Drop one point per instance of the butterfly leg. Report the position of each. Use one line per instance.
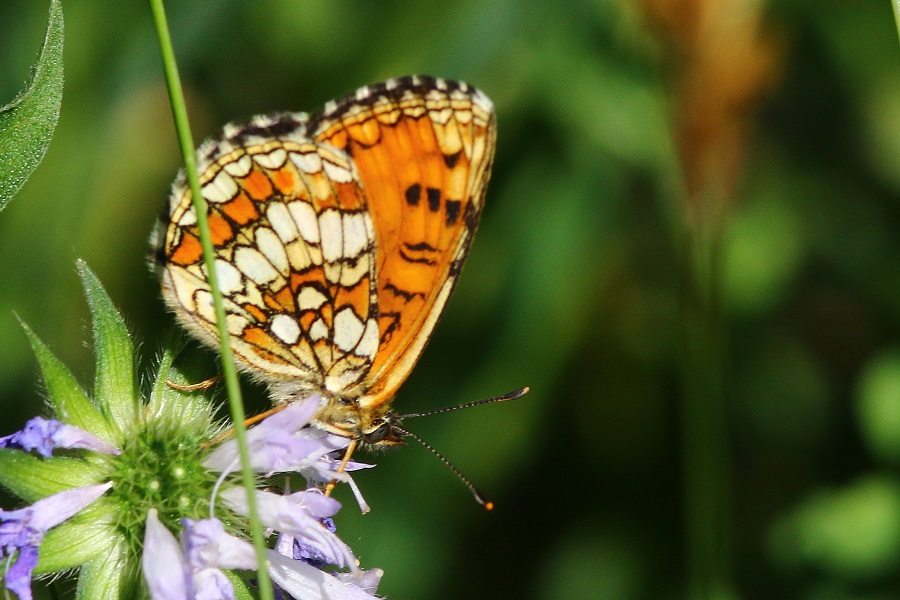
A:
(193, 387)
(347, 454)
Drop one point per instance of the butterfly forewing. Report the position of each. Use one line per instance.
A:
(423, 149)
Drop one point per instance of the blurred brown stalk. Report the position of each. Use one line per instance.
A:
(718, 60)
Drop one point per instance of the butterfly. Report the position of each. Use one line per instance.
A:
(338, 239)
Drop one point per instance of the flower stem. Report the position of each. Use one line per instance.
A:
(179, 112)
(704, 423)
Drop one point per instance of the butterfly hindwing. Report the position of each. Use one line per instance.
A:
(294, 256)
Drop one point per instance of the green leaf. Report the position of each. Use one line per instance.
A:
(115, 387)
(33, 478)
(70, 402)
(878, 405)
(27, 123)
(72, 544)
(852, 532)
(110, 575)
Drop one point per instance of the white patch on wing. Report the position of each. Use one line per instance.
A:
(318, 330)
(286, 329)
(282, 222)
(270, 245)
(350, 275)
(441, 116)
(309, 162)
(236, 323)
(299, 255)
(239, 167)
(188, 218)
(368, 344)
(356, 237)
(331, 235)
(228, 276)
(337, 173)
(203, 304)
(347, 329)
(254, 265)
(310, 298)
(305, 217)
(221, 189)
(273, 160)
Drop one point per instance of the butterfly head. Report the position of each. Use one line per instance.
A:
(374, 426)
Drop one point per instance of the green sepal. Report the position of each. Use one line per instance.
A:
(27, 123)
(70, 403)
(174, 409)
(72, 544)
(241, 589)
(110, 576)
(32, 478)
(115, 387)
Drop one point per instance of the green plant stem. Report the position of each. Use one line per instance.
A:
(704, 422)
(179, 111)
(896, 6)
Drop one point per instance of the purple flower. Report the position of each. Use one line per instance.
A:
(289, 545)
(298, 515)
(195, 573)
(209, 549)
(44, 435)
(306, 582)
(283, 443)
(23, 530)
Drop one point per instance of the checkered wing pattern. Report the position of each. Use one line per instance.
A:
(423, 148)
(338, 237)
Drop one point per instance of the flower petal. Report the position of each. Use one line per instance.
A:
(367, 580)
(45, 435)
(18, 577)
(274, 444)
(51, 511)
(163, 563)
(207, 544)
(300, 515)
(301, 580)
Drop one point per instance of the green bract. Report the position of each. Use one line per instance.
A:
(160, 465)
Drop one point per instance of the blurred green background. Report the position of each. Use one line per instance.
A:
(573, 285)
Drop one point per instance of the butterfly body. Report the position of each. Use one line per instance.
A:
(338, 239)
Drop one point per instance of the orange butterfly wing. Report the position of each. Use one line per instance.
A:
(423, 148)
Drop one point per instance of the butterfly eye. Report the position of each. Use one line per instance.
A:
(378, 434)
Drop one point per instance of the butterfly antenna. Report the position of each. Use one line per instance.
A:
(479, 497)
(509, 396)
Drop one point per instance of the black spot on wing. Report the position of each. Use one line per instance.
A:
(452, 207)
(413, 194)
(407, 296)
(434, 199)
(411, 259)
(420, 246)
(451, 159)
